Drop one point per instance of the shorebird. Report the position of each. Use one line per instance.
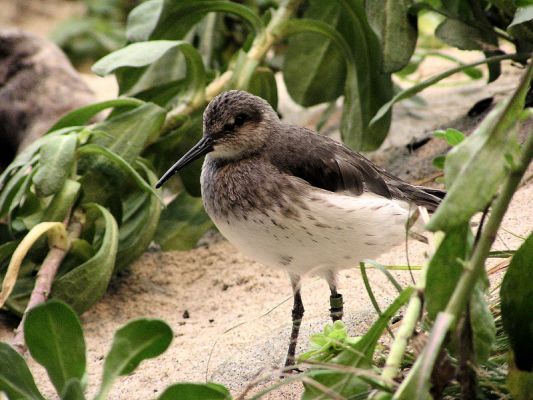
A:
(290, 198)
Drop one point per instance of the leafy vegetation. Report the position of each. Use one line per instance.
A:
(55, 340)
(89, 185)
(98, 32)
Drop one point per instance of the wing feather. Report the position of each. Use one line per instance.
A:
(326, 164)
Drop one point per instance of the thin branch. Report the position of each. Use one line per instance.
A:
(241, 73)
(409, 321)
(467, 375)
(45, 278)
(371, 295)
(397, 350)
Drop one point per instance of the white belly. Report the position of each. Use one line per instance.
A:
(336, 231)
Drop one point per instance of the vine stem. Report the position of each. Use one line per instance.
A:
(241, 72)
(45, 278)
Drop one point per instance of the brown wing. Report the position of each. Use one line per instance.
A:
(326, 164)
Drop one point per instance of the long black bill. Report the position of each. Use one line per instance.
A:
(200, 149)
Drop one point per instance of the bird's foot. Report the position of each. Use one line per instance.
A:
(290, 369)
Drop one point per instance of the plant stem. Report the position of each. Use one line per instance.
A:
(412, 314)
(373, 300)
(43, 283)
(470, 275)
(241, 73)
(405, 332)
(467, 375)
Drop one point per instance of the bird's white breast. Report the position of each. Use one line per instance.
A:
(332, 231)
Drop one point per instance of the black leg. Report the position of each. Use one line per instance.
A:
(335, 300)
(297, 315)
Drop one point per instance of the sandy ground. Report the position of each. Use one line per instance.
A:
(239, 311)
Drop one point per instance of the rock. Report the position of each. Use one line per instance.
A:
(37, 86)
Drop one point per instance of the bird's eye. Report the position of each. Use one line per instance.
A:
(240, 119)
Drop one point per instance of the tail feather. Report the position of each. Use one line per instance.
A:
(428, 197)
(419, 195)
(435, 192)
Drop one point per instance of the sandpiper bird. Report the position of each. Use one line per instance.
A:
(290, 198)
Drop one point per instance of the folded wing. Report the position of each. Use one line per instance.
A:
(328, 165)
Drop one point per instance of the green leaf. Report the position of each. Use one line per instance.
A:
(20, 296)
(137, 232)
(452, 136)
(326, 345)
(182, 223)
(163, 82)
(465, 36)
(86, 284)
(18, 201)
(413, 90)
(157, 19)
(445, 268)
(16, 380)
(125, 166)
(54, 337)
(521, 28)
(396, 30)
(143, 19)
(29, 213)
(358, 356)
(522, 15)
(519, 383)
(55, 164)
(142, 54)
(516, 303)
(314, 70)
(369, 290)
(344, 385)
(195, 391)
(14, 189)
(82, 115)
(175, 144)
(166, 145)
(263, 84)
(439, 162)
(136, 341)
(29, 155)
(475, 169)
(482, 323)
(364, 349)
(73, 390)
(62, 202)
(129, 132)
(374, 87)
(387, 274)
(6, 250)
(127, 136)
(366, 89)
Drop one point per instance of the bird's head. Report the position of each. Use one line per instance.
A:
(235, 124)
